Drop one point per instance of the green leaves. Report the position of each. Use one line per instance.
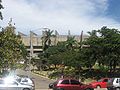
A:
(11, 48)
(105, 44)
(47, 38)
(71, 43)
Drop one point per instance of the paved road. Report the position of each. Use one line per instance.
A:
(41, 83)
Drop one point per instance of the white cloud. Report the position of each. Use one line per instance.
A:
(61, 15)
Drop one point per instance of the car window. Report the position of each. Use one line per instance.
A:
(110, 80)
(65, 82)
(19, 80)
(1, 82)
(105, 80)
(74, 82)
(100, 80)
(25, 80)
(117, 81)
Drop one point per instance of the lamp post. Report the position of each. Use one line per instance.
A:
(31, 51)
(31, 46)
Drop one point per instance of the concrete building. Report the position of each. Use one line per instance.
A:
(33, 42)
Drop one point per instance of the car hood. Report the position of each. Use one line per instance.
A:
(94, 82)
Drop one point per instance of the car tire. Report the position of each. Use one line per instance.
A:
(26, 89)
(98, 86)
(117, 89)
(51, 85)
(60, 89)
(110, 88)
(89, 89)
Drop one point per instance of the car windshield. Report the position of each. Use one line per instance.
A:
(100, 80)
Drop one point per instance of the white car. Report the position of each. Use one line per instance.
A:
(14, 85)
(26, 81)
(113, 84)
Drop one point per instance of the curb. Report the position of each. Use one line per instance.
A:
(41, 75)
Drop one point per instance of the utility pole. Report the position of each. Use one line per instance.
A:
(81, 39)
(31, 50)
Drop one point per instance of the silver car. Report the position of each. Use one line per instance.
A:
(14, 85)
(26, 81)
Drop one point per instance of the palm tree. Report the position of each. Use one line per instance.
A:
(93, 33)
(47, 38)
(71, 42)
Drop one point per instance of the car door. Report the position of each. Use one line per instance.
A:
(75, 85)
(2, 85)
(104, 83)
(13, 86)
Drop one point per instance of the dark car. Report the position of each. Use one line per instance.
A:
(69, 84)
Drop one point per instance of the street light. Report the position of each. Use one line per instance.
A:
(31, 45)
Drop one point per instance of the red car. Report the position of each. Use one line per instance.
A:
(102, 83)
(69, 84)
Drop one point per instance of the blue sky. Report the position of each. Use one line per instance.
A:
(62, 15)
(114, 9)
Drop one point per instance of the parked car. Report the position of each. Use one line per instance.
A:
(14, 85)
(21, 79)
(101, 83)
(69, 84)
(26, 81)
(113, 84)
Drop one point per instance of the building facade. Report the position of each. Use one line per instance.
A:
(33, 42)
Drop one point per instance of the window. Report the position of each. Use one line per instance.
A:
(1, 82)
(106, 80)
(65, 82)
(74, 82)
(25, 80)
(117, 81)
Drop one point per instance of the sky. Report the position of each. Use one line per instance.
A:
(61, 15)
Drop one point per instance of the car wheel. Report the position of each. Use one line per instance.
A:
(88, 89)
(51, 85)
(117, 88)
(98, 87)
(60, 89)
(110, 89)
(26, 89)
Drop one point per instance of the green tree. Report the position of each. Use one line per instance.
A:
(47, 39)
(11, 48)
(104, 47)
(54, 53)
(71, 42)
(111, 46)
(92, 49)
(55, 60)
